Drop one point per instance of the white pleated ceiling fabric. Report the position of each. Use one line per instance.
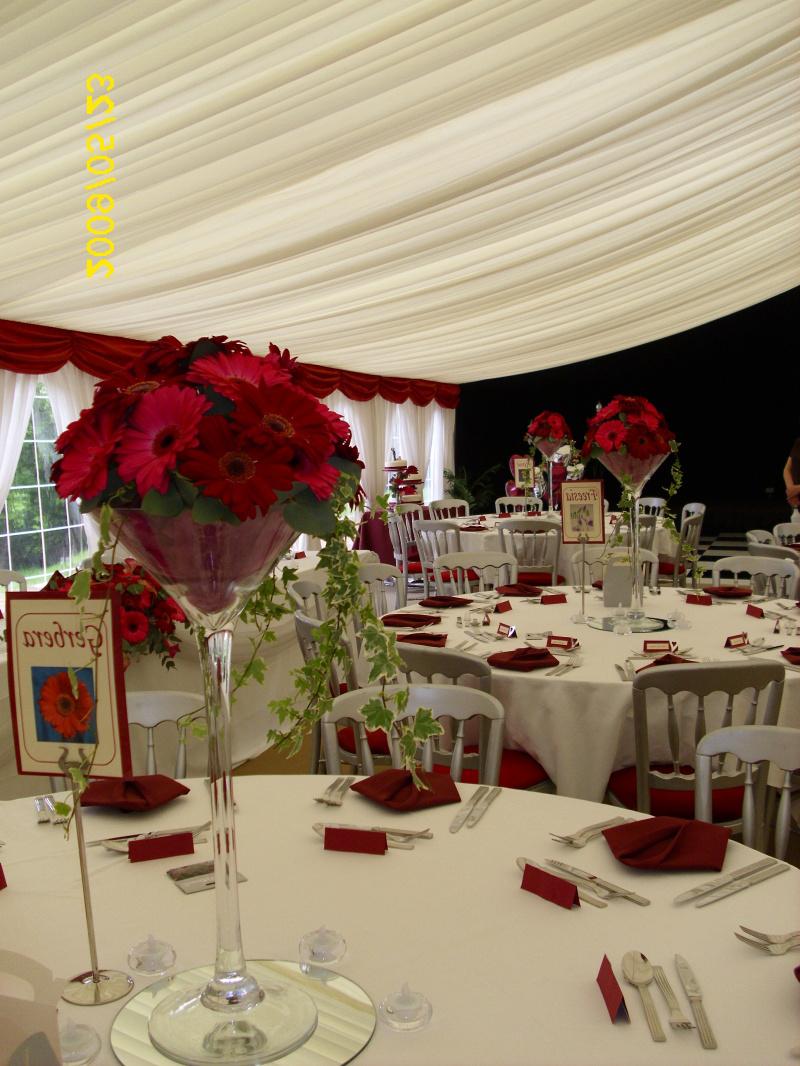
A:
(437, 189)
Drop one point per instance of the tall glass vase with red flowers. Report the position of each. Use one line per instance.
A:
(631, 438)
(205, 463)
(548, 432)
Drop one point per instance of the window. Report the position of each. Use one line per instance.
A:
(39, 532)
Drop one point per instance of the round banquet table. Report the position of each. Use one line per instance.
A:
(580, 725)
(510, 976)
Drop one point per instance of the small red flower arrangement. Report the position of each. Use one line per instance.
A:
(548, 431)
(630, 437)
(147, 614)
(210, 428)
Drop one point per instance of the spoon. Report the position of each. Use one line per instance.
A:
(639, 972)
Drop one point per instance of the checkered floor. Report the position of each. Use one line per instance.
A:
(721, 545)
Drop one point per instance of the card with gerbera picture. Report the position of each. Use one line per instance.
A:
(65, 670)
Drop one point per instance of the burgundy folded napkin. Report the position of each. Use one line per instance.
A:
(427, 640)
(411, 621)
(523, 659)
(729, 592)
(133, 793)
(666, 660)
(518, 589)
(444, 601)
(472, 529)
(396, 789)
(664, 843)
(792, 655)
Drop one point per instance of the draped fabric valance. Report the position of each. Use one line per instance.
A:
(26, 348)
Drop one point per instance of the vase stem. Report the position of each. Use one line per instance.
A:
(551, 504)
(637, 600)
(231, 984)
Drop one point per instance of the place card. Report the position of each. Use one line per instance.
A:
(756, 612)
(3, 882)
(299, 555)
(160, 847)
(568, 643)
(659, 645)
(548, 886)
(504, 630)
(699, 599)
(554, 597)
(502, 607)
(365, 841)
(737, 640)
(612, 993)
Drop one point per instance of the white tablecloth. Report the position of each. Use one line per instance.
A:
(580, 726)
(510, 976)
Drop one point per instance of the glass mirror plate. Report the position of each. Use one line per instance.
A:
(636, 625)
(345, 1026)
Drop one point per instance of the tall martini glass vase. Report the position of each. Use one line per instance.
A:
(548, 448)
(211, 570)
(633, 474)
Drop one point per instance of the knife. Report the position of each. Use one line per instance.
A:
(466, 809)
(193, 829)
(739, 884)
(615, 890)
(695, 996)
(725, 879)
(479, 809)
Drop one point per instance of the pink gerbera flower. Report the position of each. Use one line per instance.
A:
(82, 472)
(163, 424)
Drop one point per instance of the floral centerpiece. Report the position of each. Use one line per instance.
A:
(147, 613)
(205, 462)
(548, 432)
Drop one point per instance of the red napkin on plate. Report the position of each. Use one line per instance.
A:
(523, 659)
(729, 592)
(792, 655)
(444, 601)
(133, 793)
(666, 660)
(427, 640)
(518, 589)
(472, 529)
(396, 789)
(411, 621)
(663, 843)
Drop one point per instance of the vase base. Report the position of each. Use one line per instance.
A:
(330, 996)
(93, 989)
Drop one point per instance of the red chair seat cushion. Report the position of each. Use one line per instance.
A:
(376, 738)
(538, 577)
(668, 567)
(726, 803)
(517, 769)
(472, 575)
(414, 566)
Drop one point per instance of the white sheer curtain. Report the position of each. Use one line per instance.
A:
(371, 426)
(70, 391)
(16, 401)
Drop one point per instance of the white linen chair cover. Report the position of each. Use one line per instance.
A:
(455, 702)
(151, 709)
(450, 507)
(786, 532)
(534, 542)
(698, 680)
(432, 538)
(452, 571)
(780, 575)
(517, 504)
(751, 744)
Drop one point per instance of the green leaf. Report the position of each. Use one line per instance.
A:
(168, 504)
(309, 515)
(81, 587)
(188, 491)
(206, 510)
(63, 809)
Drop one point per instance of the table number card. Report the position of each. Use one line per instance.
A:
(365, 841)
(502, 607)
(504, 630)
(612, 993)
(737, 640)
(659, 646)
(582, 512)
(548, 886)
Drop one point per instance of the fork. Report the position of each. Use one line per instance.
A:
(329, 791)
(581, 837)
(338, 794)
(772, 943)
(677, 1019)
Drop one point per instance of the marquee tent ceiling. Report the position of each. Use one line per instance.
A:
(438, 189)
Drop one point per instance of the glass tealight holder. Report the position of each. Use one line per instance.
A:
(405, 1010)
(80, 1044)
(321, 947)
(151, 956)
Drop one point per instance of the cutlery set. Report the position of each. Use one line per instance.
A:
(335, 793)
(592, 883)
(121, 843)
(728, 884)
(772, 943)
(581, 837)
(395, 838)
(474, 809)
(639, 972)
(584, 894)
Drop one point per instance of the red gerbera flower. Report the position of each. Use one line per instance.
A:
(285, 416)
(642, 443)
(67, 714)
(240, 472)
(321, 479)
(83, 471)
(159, 364)
(134, 626)
(225, 373)
(611, 435)
(282, 363)
(163, 424)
